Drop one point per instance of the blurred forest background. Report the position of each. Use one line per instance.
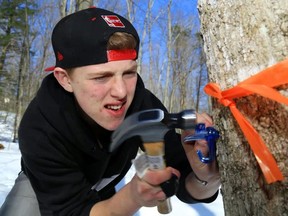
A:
(171, 59)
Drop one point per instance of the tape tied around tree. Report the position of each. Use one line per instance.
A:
(261, 84)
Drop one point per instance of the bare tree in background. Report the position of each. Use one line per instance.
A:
(83, 4)
(185, 80)
(23, 69)
(70, 6)
(169, 58)
(184, 63)
(146, 27)
(42, 45)
(150, 70)
(241, 38)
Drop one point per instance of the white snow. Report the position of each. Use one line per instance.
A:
(10, 167)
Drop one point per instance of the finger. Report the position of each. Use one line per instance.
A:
(164, 190)
(170, 186)
(151, 193)
(202, 145)
(204, 118)
(185, 133)
(156, 177)
(201, 118)
(147, 188)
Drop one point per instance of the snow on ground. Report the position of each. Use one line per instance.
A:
(10, 167)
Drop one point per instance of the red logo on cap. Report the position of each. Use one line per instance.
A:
(60, 57)
(113, 21)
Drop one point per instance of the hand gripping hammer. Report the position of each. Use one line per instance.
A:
(152, 125)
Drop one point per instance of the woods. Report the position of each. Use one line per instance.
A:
(166, 42)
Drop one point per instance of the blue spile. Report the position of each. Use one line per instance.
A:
(211, 135)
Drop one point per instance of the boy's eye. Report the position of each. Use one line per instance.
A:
(130, 73)
(99, 78)
(102, 77)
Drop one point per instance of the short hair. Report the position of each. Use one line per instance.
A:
(120, 41)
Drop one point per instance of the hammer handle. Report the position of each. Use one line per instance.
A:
(155, 153)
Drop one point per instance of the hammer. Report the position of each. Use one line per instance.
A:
(152, 125)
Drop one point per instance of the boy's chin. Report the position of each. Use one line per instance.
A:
(112, 126)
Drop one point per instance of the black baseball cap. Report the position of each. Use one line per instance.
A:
(80, 39)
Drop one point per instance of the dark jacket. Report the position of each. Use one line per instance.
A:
(64, 153)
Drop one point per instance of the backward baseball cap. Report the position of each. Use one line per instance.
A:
(80, 39)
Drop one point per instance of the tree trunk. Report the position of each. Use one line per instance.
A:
(83, 4)
(68, 7)
(241, 38)
(62, 8)
(22, 72)
(166, 95)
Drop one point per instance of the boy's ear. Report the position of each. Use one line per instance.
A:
(63, 78)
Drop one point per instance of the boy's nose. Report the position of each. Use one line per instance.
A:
(118, 88)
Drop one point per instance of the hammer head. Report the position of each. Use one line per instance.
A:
(151, 125)
(146, 124)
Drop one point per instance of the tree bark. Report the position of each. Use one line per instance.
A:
(242, 38)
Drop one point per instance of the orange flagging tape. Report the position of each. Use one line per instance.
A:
(261, 84)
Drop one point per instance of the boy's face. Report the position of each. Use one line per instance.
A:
(105, 91)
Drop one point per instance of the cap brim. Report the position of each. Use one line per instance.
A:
(117, 55)
(49, 69)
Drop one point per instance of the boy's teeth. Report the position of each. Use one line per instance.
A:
(114, 107)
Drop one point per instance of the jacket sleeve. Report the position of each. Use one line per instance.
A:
(60, 186)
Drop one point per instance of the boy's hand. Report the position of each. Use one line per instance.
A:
(146, 191)
(203, 171)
